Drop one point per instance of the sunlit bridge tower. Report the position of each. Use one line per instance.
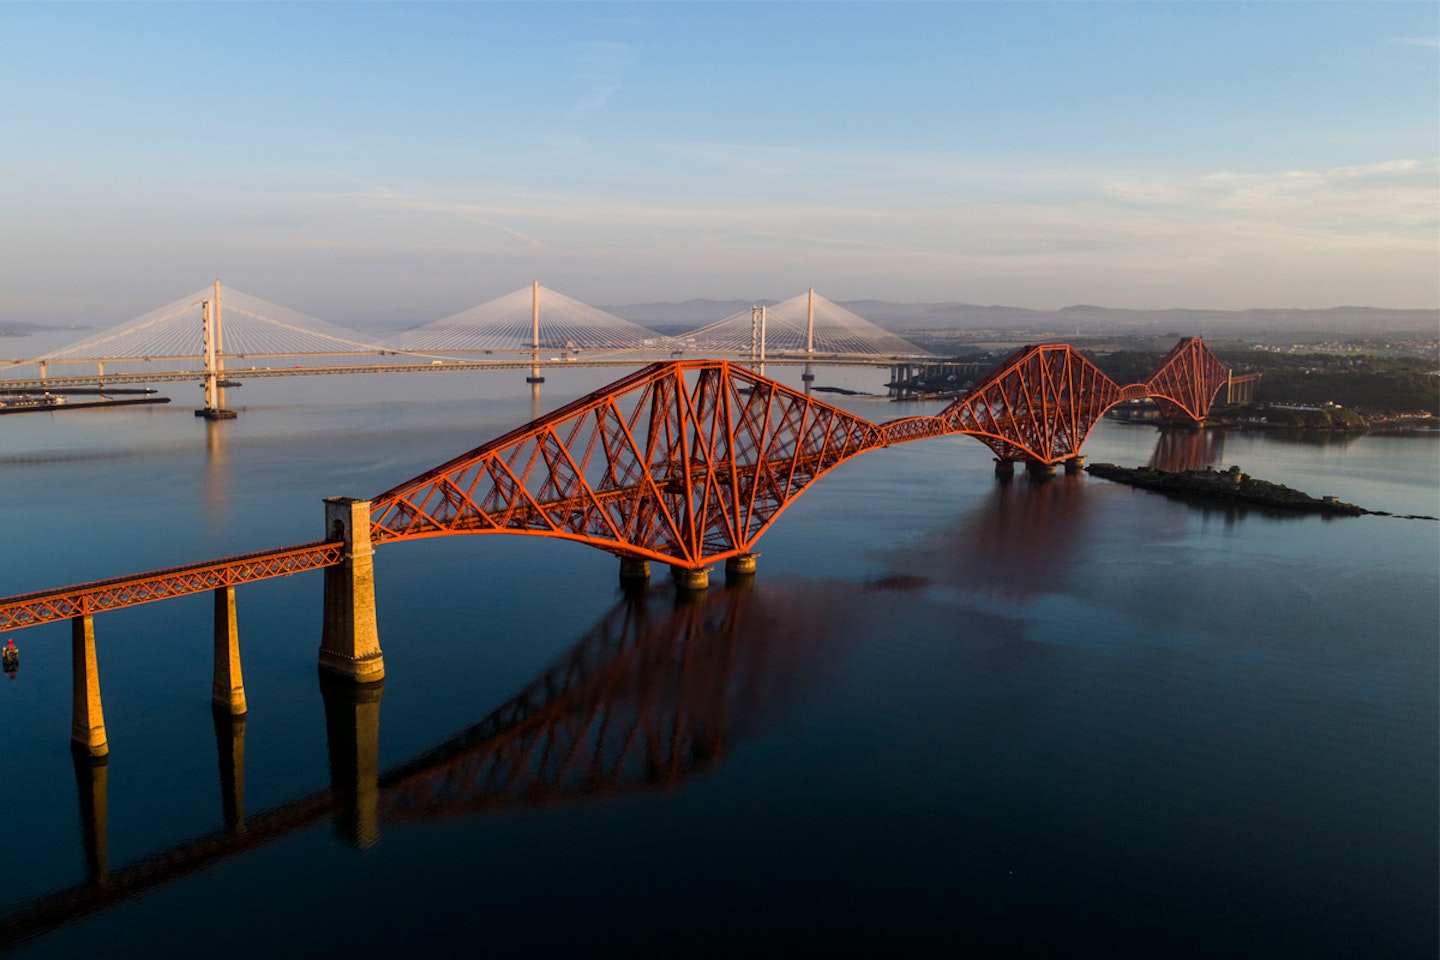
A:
(535, 379)
(214, 353)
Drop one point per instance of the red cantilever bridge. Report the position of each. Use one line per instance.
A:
(690, 462)
(686, 462)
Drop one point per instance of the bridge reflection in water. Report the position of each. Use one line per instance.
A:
(1187, 448)
(654, 694)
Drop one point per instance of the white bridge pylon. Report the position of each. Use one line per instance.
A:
(533, 318)
(251, 327)
(807, 325)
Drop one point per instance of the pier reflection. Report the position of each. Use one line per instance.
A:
(1183, 448)
(230, 748)
(92, 777)
(216, 472)
(654, 694)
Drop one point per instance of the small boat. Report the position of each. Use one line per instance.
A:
(11, 658)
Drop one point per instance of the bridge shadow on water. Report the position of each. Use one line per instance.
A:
(653, 695)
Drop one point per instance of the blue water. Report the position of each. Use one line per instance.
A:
(949, 714)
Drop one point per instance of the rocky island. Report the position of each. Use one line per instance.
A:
(1231, 485)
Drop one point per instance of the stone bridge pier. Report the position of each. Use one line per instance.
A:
(350, 643)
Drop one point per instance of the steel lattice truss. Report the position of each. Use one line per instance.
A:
(64, 603)
(1040, 404)
(685, 462)
(1188, 379)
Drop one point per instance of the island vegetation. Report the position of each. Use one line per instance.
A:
(1228, 485)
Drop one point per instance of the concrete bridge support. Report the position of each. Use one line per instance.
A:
(87, 727)
(634, 570)
(690, 578)
(1075, 464)
(92, 776)
(352, 739)
(230, 746)
(228, 690)
(350, 644)
(1039, 470)
(1004, 469)
(740, 567)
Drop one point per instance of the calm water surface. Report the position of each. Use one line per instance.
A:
(1063, 718)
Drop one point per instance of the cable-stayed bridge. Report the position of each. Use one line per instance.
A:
(531, 318)
(801, 326)
(252, 327)
(219, 335)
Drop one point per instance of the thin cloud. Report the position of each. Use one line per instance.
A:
(462, 211)
(600, 72)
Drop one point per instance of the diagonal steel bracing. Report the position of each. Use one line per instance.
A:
(687, 462)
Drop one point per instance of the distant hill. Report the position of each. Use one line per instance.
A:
(21, 328)
(1080, 319)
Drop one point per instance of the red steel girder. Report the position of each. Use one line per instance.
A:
(1187, 381)
(686, 462)
(63, 603)
(1040, 404)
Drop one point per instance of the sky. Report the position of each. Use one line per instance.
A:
(398, 162)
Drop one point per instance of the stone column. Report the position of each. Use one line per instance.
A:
(350, 644)
(87, 727)
(228, 690)
(1075, 464)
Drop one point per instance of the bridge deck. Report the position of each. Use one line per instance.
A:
(64, 603)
